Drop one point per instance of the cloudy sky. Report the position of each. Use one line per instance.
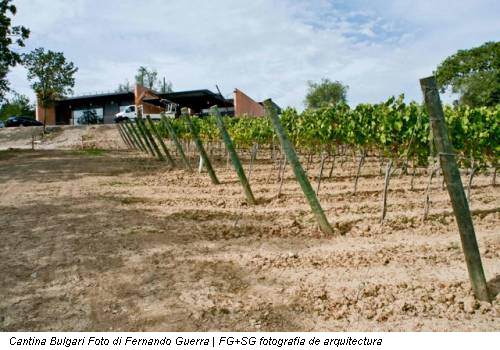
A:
(267, 48)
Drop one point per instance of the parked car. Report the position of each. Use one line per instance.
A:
(2, 124)
(21, 121)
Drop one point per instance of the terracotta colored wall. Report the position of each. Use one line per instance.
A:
(141, 92)
(51, 114)
(244, 105)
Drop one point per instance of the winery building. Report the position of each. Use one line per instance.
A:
(67, 111)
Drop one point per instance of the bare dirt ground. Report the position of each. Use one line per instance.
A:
(60, 137)
(115, 241)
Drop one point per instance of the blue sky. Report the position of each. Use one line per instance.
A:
(267, 48)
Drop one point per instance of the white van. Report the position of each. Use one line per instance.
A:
(130, 113)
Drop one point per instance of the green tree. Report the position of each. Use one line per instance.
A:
(9, 36)
(140, 77)
(149, 78)
(18, 105)
(325, 93)
(146, 77)
(51, 76)
(125, 87)
(165, 86)
(474, 74)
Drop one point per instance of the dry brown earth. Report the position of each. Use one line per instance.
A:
(115, 241)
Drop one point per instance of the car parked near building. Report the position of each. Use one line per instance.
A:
(21, 121)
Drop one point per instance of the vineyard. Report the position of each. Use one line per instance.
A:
(391, 130)
(396, 134)
(330, 219)
(158, 174)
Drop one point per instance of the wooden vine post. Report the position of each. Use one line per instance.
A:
(297, 169)
(117, 128)
(135, 135)
(234, 156)
(358, 172)
(160, 140)
(131, 136)
(120, 131)
(281, 173)
(128, 136)
(199, 146)
(387, 178)
(455, 188)
(321, 167)
(150, 139)
(177, 143)
(144, 138)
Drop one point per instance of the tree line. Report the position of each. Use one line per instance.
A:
(50, 74)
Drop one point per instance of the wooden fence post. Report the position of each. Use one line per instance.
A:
(297, 169)
(160, 140)
(117, 128)
(199, 146)
(128, 135)
(387, 178)
(152, 142)
(138, 136)
(149, 147)
(124, 136)
(455, 188)
(234, 155)
(177, 143)
(134, 137)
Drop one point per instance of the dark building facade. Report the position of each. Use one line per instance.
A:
(70, 111)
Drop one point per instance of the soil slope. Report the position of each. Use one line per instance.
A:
(115, 241)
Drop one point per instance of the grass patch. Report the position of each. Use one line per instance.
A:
(90, 152)
(10, 153)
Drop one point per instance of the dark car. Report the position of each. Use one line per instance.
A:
(21, 121)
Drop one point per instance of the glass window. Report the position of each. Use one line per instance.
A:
(88, 116)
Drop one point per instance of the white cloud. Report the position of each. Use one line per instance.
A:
(266, 48)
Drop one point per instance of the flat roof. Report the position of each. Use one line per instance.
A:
(177, 96)
(200, 99)
(91, 96)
